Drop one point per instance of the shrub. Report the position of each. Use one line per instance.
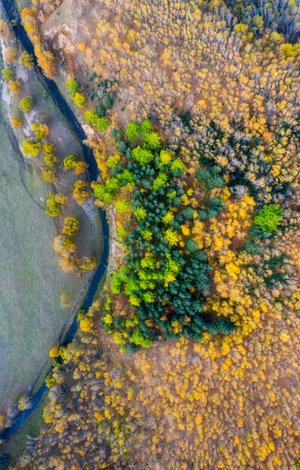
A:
(11, 54)
(48, 148)
(14, 86)
(16, 122)
(71, 225)
(49, 175)
(51, 160)
(88, 263)
(61, 198)
(81, 167)
(9, 74)
(41, 130)
(30, 147)
(26, 104)
(53, 207)
(80, 192)
(70, 162)
(26, 60)
(72, 85)
(79, 99)
(269, 218)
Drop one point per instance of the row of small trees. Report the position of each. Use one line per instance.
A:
(64, 244)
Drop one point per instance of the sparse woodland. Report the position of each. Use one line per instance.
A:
(190, 358)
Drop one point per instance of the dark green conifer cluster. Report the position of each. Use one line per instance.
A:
(165, 283)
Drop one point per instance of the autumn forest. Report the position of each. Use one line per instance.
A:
(187, 356)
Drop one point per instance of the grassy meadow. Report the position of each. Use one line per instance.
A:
(31, 282)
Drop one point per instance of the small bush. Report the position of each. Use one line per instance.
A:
(72, 85)
(9, 74)
(16, 122)
(79, 99)
(26, 104)
(26, 60)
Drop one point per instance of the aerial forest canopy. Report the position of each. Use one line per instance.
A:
(189, 357)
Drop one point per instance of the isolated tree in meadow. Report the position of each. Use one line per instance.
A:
(53, 206)
(70, 162)
(81, 167)
(14, 86)
(51, 160)
(71, 225)
(8, 74)
(80, 192)
(48, 148)
(61, 198)
(88, 263)
(24, 403)
(65, 301)
(26, 60)
(49, 175)
(68, 265)
(63, 244)
(11, 54)
(31, 147)
(16, 122)
(26, 104)
(41, 130)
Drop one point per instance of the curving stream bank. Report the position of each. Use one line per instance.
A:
(10, 10)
